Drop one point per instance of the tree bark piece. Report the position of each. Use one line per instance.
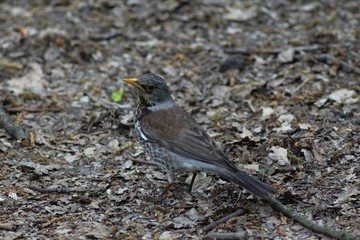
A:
(313, 226)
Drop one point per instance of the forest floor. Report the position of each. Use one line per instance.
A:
(276, 83)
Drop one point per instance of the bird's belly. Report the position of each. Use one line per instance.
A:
(167, 160)
(156, 153)
(183, 164)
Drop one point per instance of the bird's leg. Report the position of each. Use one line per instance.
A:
(162, 196)
(171, 179)
(192, 182)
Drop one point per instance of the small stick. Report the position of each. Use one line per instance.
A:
(67, 191)
(46, 143)
(238, 212)
(226, 236)
(7, 227)
(312, 225)
(35, 110)
(55, 190)
(330, 60)
(142, 161)
(278, 50)
(302, 84)
(106, 36)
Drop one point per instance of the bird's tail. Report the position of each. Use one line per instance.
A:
(251, 184)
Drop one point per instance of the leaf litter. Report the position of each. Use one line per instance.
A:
(288, 84)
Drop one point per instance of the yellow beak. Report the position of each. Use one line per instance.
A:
(133, 82)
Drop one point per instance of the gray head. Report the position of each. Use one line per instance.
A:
(151, 88)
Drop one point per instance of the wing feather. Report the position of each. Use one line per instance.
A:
(184, 136)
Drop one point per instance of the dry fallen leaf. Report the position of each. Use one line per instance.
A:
(286, 56)
(279, 155)
(33, 82)
(344, 96)
(346, 194)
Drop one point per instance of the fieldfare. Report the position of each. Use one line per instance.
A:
(176, 142)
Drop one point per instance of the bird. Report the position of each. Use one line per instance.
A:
(173, 139)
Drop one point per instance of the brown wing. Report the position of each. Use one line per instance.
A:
(178, 132)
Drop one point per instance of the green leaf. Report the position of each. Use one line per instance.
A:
(117, 95)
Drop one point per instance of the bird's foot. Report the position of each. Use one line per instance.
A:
(163, 195)
(178, 194)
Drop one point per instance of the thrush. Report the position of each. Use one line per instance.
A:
(176, 142)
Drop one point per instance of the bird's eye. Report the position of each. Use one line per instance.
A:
(150, 88)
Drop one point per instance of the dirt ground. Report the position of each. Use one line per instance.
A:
(276, 83)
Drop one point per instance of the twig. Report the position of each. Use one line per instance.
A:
(35, 110)
(313, 226)
(123, 148)
(330, 60)
(10, 65)
(222, 220)
(46, 143)
(7, 227)
(252, 108)
(106, 36)
(302, 84)
(55, 190)
(142, 161)
(226, 236)
(13, 129)
(278, 50)
(67, 191)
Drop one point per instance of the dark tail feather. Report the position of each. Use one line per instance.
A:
(252, 184)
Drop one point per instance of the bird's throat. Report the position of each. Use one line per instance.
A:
(143, 102)
(145, 107)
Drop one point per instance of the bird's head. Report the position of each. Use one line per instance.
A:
(151, 88)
